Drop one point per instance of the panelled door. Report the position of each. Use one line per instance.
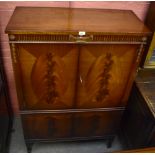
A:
(104, 72)
(60, 76)
(47, 75)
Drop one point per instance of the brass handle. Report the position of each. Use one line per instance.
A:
(79, 38)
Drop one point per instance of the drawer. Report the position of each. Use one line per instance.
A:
(96, 123)
(46, 126)
(71, 125)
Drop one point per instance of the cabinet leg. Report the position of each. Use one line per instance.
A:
(110, 141)
(29, 146)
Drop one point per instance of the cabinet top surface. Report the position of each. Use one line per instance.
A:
(69, 20)
(145, 82)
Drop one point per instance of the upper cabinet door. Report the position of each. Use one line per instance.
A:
(104, 74)
(46, 75)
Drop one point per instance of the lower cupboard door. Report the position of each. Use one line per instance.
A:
(96, 124)
(46, 126)
(70, 125)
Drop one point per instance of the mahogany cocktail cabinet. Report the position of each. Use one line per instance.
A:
(74, 69)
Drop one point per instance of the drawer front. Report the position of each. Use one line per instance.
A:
(96, 123)
(70, 125)
(46, 126)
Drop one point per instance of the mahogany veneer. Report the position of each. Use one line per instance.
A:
(74, 69)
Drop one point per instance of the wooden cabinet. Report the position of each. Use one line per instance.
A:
(138, 123)
(74, 69)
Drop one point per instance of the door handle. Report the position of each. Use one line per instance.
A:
(81, 39)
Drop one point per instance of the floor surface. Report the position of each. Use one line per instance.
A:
(17, 144)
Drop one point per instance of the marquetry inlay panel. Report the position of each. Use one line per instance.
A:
(103, 74)
(47, 81)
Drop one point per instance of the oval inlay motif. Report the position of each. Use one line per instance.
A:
(48, 79)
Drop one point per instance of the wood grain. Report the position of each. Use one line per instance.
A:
(50, 126)
(96, 79)
(45, 87)
(96, 124)
(140, 8)
(97, 71)
(53, 126)
(74, 20)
